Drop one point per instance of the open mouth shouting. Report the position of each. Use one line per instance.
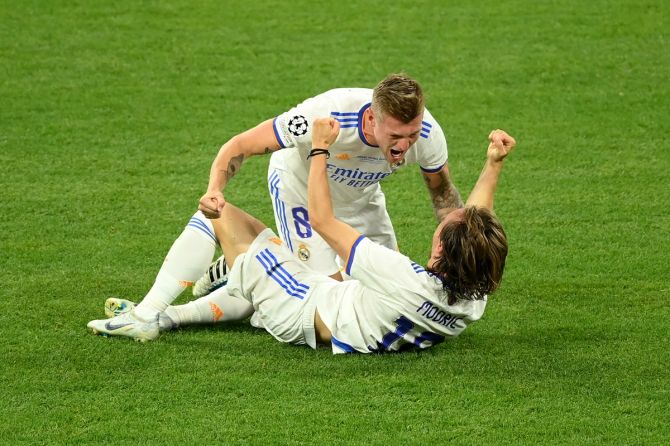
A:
(396, 155)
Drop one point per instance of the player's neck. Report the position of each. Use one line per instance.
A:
(367, 127)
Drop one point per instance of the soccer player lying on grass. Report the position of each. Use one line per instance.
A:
(391, 302)
(381, 130)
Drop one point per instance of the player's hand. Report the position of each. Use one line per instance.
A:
(211, 204)
(500, 145)
(324, 132)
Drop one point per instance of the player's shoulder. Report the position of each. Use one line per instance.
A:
(429, 123)
(337, 101)
(347, 99)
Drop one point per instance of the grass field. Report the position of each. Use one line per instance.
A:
(112, 112)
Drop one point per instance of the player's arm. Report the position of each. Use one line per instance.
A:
(443, 193)
(339, 235)
(500, 145)
(258, 140)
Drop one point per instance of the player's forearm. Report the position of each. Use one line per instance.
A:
(445, 201)
(339, 235)
(319, 203)
(256, 141)
(484, 190)
(443, 194)
(226, 165)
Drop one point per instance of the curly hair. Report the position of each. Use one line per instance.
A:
(398, 96)
(473, 257)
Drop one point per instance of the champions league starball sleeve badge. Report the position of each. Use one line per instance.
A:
(298, 125)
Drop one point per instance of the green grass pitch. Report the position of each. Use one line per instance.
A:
(111, 113)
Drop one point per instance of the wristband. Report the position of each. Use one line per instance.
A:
(314, 152)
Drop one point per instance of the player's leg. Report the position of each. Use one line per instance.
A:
(236, 230)
(218, 306)
(186, 260)
(188, 257)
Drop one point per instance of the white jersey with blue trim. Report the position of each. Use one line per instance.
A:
(397, 304)
(355, 166)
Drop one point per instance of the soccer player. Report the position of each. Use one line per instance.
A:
(391, 302)
(380, 130)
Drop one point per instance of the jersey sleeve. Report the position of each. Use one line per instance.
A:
(294, 127)
(432, 154)
(381, 268)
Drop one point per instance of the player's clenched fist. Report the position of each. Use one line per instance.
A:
(501, 144)
(211, 204)
(324, 132)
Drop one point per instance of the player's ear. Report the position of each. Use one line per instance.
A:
(439, 249)
(371, 117)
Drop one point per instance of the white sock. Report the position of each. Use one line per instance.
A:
(218, 306)
(186, 262)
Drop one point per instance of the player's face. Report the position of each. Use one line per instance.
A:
(436, 248)
(395, 137)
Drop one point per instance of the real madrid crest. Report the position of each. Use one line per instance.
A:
(303, 252)
(298, 125)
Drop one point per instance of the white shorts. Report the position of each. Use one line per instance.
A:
(280, 289)
(293, 225)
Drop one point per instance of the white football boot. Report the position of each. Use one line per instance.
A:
(214, 278)
(115, 306)
(126, 324)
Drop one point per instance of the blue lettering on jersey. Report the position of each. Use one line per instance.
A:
(405, 337)
(432, 312)
(354, 177)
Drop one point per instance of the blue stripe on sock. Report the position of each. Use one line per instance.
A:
(207, 233)
(202, 226)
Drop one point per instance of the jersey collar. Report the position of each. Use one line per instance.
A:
(360, 125)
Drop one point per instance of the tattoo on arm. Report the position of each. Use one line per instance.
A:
(233, 167)
(444, 195)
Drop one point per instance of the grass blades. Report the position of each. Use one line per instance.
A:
(111, 113)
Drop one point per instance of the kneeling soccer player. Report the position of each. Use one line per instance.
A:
(391, 302)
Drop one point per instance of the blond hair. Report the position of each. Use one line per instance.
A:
(398, 96)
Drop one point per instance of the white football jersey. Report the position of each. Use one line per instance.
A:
(392, 303)
(355, 166)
